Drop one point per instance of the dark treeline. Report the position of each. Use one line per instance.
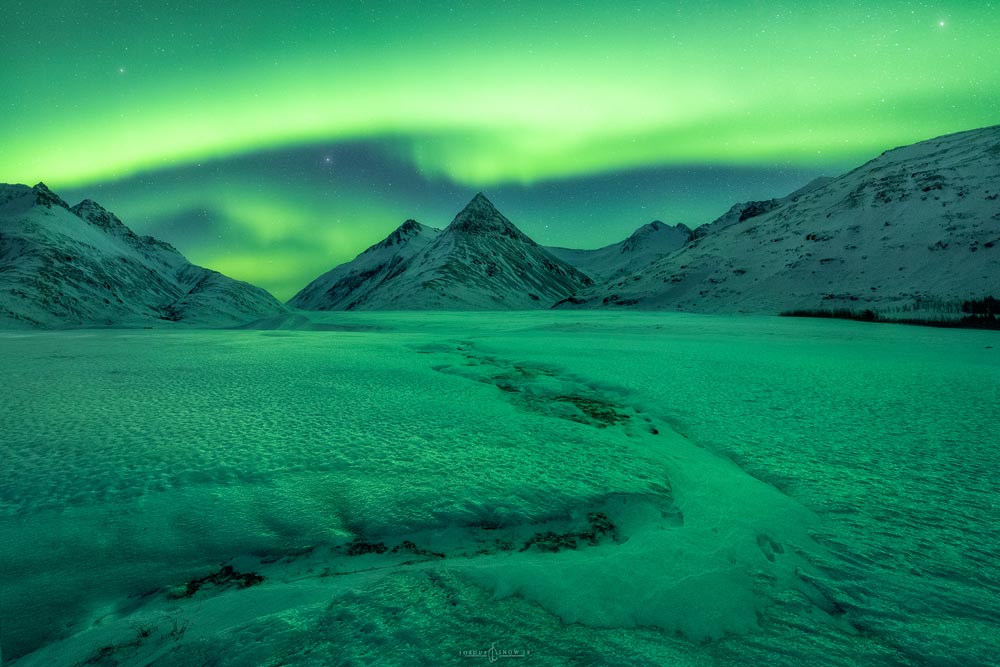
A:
(979, 314)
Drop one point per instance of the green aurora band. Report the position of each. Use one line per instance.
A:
(481, 94)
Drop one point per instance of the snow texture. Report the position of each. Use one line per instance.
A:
(359, 488)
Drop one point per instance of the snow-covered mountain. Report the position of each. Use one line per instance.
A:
(649, 242)
(481, 261)
(916, 228)
(743, 211)
(353, 283)
(81, 266)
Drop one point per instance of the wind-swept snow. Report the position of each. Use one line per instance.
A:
(406, 487)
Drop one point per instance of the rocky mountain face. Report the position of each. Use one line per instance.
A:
(917, 228)
(648, 243)
(80, 266)
(481, 261)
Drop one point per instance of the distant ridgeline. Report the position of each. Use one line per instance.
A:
(911, 236)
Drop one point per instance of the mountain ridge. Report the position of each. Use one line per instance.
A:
(916, 227)
(644, 245)
(348, 284)
(79, 266)
(480, 261)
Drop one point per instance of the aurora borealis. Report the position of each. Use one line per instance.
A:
(272, 140)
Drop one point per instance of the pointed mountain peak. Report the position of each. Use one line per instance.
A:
(481, 200)
(479, 207)
(481, 217)
(89, 207)
(411, 226)
(99, 216)
(401, 235)
(648, 228)
(45, 197)
(644, 236)
(656, 226)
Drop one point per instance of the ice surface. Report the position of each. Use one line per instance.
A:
(412, 486)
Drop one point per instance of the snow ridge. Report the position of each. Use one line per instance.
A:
(646, 244)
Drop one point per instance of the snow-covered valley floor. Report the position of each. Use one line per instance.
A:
(582, 488)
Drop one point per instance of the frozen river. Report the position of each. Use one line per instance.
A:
(572, 488)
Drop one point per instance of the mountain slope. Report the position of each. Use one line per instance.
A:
(917, 227)
(352, 283)
(481, 261)
(648, 243)
(81, 266)
(751, 209)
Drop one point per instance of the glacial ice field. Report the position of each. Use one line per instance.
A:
(570, 488)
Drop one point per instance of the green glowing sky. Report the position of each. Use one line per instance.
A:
(293, 134)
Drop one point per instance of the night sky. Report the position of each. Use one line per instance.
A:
(273, 140)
